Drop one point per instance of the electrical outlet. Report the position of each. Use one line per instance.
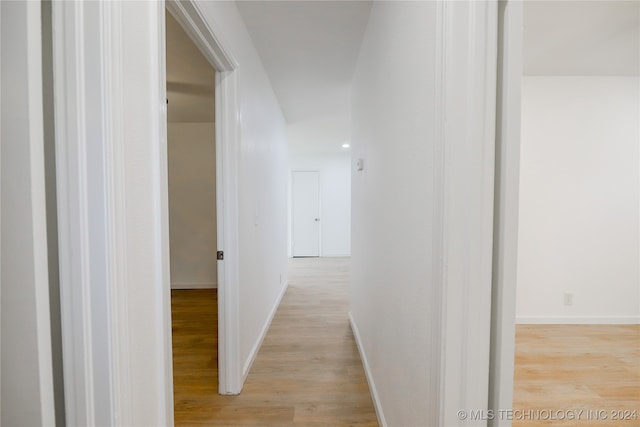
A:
(568, 298)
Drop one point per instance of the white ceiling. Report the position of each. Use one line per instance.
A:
(589, 38)
(309, 50)
(190, 78)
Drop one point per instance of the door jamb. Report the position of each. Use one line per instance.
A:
(24, 262)
(506, 197)
(100, 151)
(187, 13)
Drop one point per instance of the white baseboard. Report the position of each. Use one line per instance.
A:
(198, 285)
(578, 320)
(263, 333)
(372, 386)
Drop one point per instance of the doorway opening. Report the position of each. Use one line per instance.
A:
(577, 295)
(191, 20)
(568, 210)
(191, 155)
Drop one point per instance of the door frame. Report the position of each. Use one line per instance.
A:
(187, 13)
(113, 216)
(293, 171)
(506, 207)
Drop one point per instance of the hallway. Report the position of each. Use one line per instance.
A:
(308, 371)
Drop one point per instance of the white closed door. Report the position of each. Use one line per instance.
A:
(305, 197)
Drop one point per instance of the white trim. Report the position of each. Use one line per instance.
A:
(25, 282)
(577, 320)
(227, 136)
(73, 221)
(161, 171)
(115, 191)
(438, 277)
(507, 179)
(367, 370)
(187, 13)
(137, 102)
(194, 285)
(1, 200)
(467, 142)
(102, 154)
(263, 333)
(208, 41)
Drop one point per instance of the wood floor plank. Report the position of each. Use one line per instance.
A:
(565, 369)
(308, 371)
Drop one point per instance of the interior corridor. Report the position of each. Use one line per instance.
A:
(308, 371)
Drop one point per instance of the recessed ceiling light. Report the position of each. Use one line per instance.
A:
(346, 145)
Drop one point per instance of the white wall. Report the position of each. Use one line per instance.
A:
(192, 205)
(335, 199)
(392, 255)
(262, 199)
(26, 377)
(321, 135)
(579, 200)
(422, 208)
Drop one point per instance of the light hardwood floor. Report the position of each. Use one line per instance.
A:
(307, 373)
(563, 369)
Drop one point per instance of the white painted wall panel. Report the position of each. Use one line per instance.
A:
(192, 205)
(262, 180)
(579, 200)
(393, 218)
(422, 230)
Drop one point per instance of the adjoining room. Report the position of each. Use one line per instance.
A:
(578, 293)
